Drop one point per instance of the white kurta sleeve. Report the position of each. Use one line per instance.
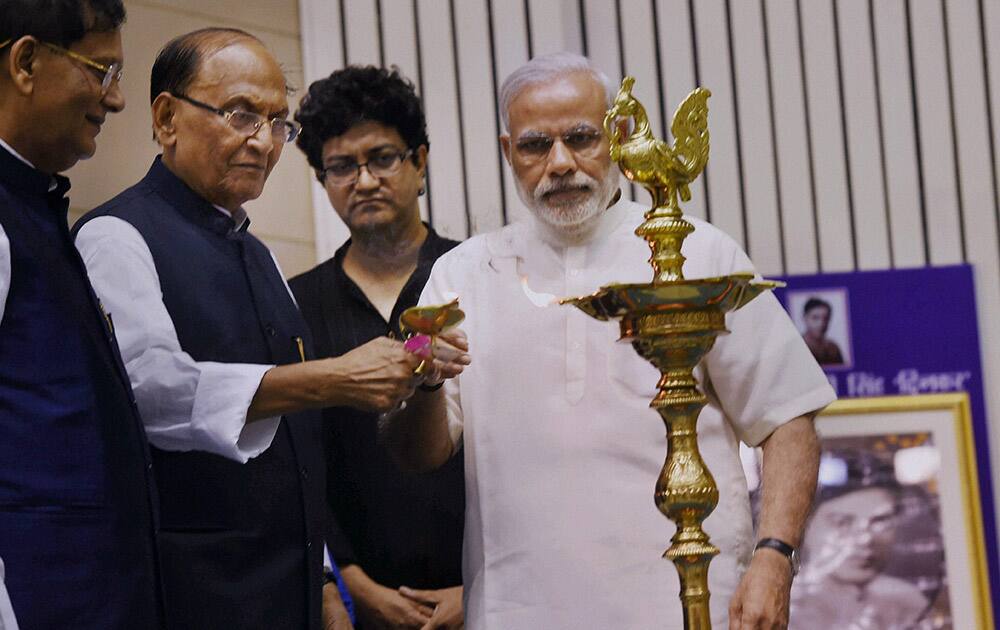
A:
(185, 404)
(7, 620)
(4, 270)
(440, 288)
(762, 372)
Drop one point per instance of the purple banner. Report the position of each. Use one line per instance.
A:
(900, 332)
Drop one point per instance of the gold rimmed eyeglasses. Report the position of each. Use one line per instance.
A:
(110, 74)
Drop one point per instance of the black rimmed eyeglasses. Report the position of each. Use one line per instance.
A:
(385, 163)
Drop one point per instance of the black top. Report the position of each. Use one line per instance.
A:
(241, 543)
(77, 503)
(402, 529)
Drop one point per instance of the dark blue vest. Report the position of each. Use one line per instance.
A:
(241, 543)
(77, 531)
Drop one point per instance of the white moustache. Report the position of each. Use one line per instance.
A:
(575, 182)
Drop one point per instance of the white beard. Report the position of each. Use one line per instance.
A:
(572, 217)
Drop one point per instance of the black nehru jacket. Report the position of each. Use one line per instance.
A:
(241, 544)
(77, 502)
(401, 528)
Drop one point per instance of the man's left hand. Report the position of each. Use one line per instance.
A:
(761, 600)
(447, 604)
(335, 616)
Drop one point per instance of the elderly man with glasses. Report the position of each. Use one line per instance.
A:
(77, 515)
(217, 351)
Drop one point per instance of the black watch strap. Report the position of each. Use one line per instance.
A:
(783, 548)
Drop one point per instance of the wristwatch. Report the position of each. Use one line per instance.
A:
(783, 548)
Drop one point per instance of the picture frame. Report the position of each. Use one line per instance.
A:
(916, 454)
(829, 308)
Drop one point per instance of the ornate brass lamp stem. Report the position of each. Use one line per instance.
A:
(673, 322)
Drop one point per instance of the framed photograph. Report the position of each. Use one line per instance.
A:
(823, 318)
(895, 539)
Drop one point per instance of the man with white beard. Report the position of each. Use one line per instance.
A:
(561, 448)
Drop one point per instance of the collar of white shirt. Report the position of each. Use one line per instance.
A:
(239, 217)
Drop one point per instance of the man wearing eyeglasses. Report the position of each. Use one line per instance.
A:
(77, 514)
(218, 352)
(561, 448)
(364, 133)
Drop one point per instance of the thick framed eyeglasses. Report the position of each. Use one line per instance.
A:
(383, 164)
(248, 123)
(110, 74)
(583, 141)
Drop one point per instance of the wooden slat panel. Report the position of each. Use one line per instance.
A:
(602, 42)
(399, 33)
(826, 125)
(864, 148)
(362, 32)
(759, 178)
(321, 54)
(441, 105)
(400, 43)
(791, 133)
(482, 161)
(677, 62)
(640, 61)
(555, 26)
(978, 193)
(989, 309)
(940, 187)
(511, 52)
(900, 144)
(723, 170)
(639, 55)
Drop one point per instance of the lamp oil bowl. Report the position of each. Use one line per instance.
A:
(429, 321)
(672, 322)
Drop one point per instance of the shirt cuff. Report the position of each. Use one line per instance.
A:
(219, 415)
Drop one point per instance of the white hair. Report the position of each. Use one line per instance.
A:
(544, 69)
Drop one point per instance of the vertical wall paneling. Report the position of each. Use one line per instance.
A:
(483, 178)
(715, 73)
(764, 229)
(677, 65)
(362, 32)
(978, 160)
(320, 23)
(791, 147)
(602, 41)
(555, 26)
(863, 144)
(900, 150)
(510, 52)
(399, 45)
(639, 60)
(930, 75)
(629, 191)
(826, 126)
(441, 105)
(990, 27)
(846, 134)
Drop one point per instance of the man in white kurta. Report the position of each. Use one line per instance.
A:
(561, 448)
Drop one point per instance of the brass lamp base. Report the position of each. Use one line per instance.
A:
(673, 323)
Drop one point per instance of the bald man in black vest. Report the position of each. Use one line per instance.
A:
(218, 352)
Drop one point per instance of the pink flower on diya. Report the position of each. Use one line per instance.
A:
(419, 345)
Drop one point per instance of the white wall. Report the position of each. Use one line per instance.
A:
(283, 216)
(846, 134)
